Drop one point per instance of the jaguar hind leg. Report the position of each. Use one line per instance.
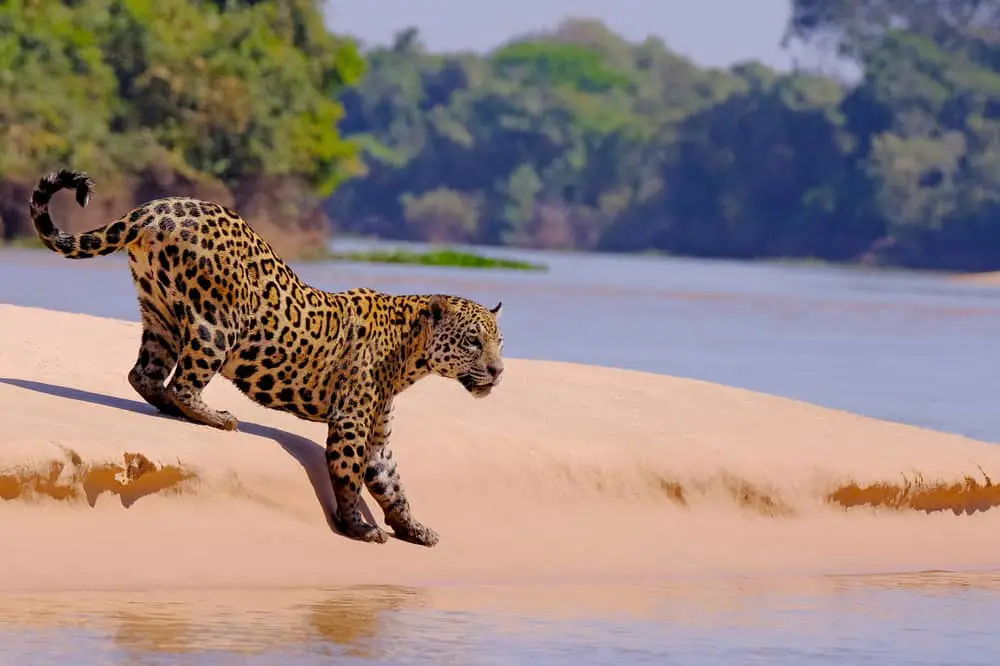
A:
(200, 359)
(155, 361)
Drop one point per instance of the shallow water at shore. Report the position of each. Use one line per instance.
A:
(911, 348)
(931, 618)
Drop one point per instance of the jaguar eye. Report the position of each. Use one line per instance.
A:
(475, 343)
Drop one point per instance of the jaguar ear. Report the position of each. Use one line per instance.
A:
(497, 310)
(439, 305)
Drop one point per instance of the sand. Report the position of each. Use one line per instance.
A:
(566, 474)
(989, 278)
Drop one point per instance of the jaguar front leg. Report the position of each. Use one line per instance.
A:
(383, 482)
(345, 458)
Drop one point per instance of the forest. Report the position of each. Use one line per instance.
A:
(570, 137)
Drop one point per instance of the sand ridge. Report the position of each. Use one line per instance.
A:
(566, 473)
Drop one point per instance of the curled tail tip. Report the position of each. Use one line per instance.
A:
(64, 179)
(80, 181)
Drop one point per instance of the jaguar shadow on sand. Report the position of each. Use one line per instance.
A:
(215, 299)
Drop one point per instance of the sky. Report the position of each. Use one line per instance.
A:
(709, 32)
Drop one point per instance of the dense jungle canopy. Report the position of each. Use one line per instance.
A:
(571, 137)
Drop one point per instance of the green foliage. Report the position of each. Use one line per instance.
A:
(56, 90)
(559, 64)
(572, 138)
(448, 213)
(576, 138)
(226, 90)
(542, 142)
(442, 257)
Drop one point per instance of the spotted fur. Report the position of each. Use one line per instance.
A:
(214, 298)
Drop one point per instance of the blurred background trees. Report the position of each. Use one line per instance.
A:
(567, 138)
(228, 99)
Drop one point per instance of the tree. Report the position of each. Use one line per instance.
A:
(223, 97)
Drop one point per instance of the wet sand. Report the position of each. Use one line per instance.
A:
(567, 473)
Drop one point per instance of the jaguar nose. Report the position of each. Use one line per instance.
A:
(494, 370)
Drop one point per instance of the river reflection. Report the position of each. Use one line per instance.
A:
(706, 621)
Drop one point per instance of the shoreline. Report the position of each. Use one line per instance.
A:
(461, 255)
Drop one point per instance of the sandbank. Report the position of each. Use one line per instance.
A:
(566, 474)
